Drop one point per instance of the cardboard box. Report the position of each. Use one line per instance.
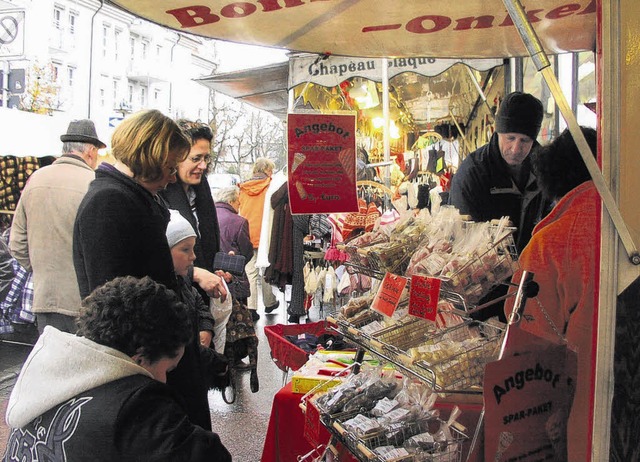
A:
(304, 383)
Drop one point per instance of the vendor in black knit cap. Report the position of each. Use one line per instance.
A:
(496, 180)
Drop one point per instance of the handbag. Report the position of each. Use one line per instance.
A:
(233, 264)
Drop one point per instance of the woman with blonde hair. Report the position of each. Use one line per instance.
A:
(120, 225)
(253, 193)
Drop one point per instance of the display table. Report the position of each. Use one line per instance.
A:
(285, 439)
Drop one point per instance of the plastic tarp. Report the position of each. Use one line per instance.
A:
(29, 134)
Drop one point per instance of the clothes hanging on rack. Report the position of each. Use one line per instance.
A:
(277, 180)
(280, 270)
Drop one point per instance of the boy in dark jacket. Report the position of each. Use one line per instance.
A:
(131, 333)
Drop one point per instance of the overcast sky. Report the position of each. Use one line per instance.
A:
(234, 56)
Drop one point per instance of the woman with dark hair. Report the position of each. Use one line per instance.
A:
(99, 395)
(562, 254)
(191, 196)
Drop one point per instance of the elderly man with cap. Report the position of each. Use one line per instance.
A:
(42, 229)
(496, 180)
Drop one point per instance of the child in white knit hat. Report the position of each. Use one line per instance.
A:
(204, 368)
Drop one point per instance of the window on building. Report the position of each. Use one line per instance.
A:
(156, 96)
(145, 47)
(102, 92)
(130, 95)
(132, 47)
(116, 84)
(73, 22)
(71, 74)
(143, 96)
(55, 72)
(159, 51)
(117, 34)
(105, 39)
(58, 31)
(57, 17)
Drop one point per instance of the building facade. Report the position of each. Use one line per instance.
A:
(89, 59)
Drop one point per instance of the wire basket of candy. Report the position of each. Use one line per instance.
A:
(384, 419)
(453, 359)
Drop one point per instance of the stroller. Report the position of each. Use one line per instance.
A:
(241, 341)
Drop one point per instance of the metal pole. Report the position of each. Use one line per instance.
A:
(533, 45)
(385, 128)
(5, 83)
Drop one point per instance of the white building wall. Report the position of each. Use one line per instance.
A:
(110, 63)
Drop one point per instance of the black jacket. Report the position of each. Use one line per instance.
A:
(132, 419)
(189, 378)
(120, 231)
(483, 188)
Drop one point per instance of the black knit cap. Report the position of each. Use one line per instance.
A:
(520, 113)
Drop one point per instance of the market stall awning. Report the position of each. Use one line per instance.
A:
(266, 87)
(469, 28)
(262, 87)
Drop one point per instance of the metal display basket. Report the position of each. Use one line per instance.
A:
(463, 370)
(481, 274)
(364, 446)
(459, 372)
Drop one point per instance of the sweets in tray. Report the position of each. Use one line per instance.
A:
(382, 418)
(471, 258)
(449, 353)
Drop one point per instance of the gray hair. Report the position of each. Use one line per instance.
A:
(262, 165)
(75, 146)
(227, 195)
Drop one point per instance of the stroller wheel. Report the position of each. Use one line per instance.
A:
(229, 393)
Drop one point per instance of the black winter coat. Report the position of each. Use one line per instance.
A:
(120, 231)
(191, 380)
(483, 188)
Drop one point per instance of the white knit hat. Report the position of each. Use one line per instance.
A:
(178, 228)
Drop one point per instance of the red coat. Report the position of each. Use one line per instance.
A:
(563, 255)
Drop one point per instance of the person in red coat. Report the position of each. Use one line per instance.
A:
(563, 255)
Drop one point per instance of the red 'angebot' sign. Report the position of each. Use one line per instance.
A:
(423, 297)
(527, 402)
(388, 295)
(322, 163)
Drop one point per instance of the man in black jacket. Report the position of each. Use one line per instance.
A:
(496, 180)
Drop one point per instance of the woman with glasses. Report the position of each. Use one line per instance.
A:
(120, 225)
(191, 196)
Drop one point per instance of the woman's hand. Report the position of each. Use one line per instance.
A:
(210, 283)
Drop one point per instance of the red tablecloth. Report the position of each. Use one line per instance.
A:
(285, 439)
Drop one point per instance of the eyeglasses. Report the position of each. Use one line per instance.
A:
(173, 171)
(201, 157)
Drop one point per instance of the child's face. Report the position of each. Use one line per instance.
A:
(183, 255)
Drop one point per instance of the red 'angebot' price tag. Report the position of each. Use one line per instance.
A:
(423, 297)
(388, 296)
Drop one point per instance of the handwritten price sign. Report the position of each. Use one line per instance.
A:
(423, 297)
(388, 296)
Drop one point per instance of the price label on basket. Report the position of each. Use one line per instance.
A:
(423, 297)
(388, 296)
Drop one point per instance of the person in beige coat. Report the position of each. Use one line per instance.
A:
(42, 229)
